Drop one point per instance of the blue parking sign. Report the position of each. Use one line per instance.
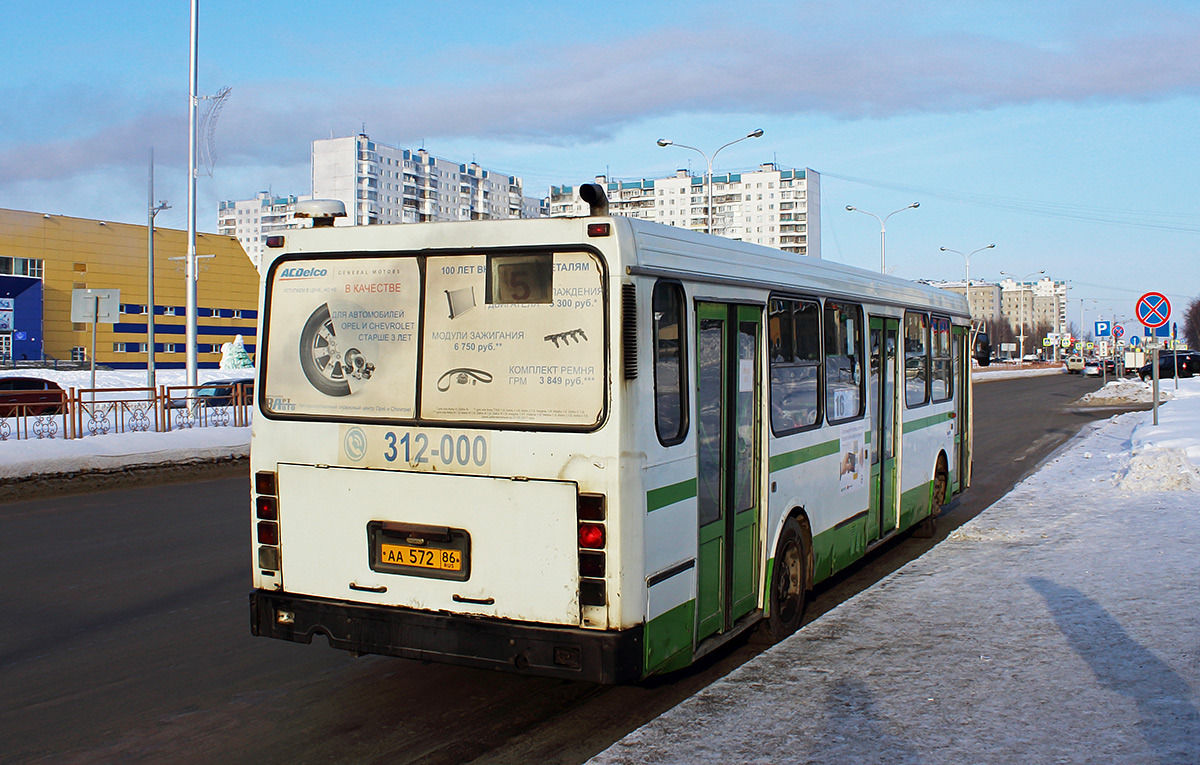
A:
(1103, 329)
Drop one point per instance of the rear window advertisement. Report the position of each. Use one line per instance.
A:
(514, 338)
(343, 338)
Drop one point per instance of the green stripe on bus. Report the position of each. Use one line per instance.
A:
(669, 495)
(926, 422)
(807, 454)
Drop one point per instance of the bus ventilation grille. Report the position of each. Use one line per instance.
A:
(629, 330)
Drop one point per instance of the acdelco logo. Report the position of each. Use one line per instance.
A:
(301, 273)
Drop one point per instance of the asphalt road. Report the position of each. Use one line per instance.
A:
(125, 634)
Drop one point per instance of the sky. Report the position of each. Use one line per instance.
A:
(1065, 133)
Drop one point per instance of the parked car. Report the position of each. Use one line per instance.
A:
(217, 393)
(1188, 365)
(30, 395)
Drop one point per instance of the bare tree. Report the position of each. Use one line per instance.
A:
(1191, 324)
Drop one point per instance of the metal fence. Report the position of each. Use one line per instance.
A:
(83, 412)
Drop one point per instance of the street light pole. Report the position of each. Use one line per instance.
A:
(1021, 309)
(883, 228)
(967, 258)
(709, 161)
(154, 210)
(190, 271)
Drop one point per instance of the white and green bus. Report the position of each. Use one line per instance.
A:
(592, 448)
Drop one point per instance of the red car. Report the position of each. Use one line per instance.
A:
(30, 396)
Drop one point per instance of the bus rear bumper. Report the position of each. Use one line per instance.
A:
(563, 652)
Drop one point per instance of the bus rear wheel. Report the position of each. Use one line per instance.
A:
(789, 585)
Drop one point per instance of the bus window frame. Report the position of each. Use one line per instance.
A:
(684, 401)
(942, 321)
(820, 364)
(924, 356)
(862, 336)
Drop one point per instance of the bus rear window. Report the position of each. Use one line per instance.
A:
(507, 337)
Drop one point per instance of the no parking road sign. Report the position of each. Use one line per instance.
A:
(1153, 309)
(1118, 331)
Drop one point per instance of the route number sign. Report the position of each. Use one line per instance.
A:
(1153, 309)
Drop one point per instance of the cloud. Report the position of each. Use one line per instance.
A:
(573, 94)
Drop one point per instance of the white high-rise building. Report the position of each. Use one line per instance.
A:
(381, 184)
(772, 206)
(250, 221)
(385, 184)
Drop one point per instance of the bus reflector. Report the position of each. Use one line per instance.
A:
(274, 241)
(268, 533)
(591, 536)
(593, 592)
(599, 229)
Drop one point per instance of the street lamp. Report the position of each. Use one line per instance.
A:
(967, 258)
(1021, 309)
(883, 227)
(708, 177)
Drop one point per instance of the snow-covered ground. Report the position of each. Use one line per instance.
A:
(1062, 624)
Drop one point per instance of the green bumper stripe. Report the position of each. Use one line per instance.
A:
(669, 495)
(807, 454)
(926, 422)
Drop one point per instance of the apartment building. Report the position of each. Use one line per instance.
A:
(251, 221)
(983, 300)
(381, 184)
(1025, 304)
(386, 184)
(770, 205)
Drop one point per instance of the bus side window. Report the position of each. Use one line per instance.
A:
(843, 361)
(943, 366)
(670, 402)
(794, 339)
(916, 359)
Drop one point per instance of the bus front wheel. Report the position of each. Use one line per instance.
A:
(789, 585)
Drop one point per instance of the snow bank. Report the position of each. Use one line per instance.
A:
(1125, 391)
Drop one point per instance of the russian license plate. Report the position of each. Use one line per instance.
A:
(421, 557)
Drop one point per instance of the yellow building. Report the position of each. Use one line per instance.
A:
(44, 258)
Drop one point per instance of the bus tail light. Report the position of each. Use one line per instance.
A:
(591, 536)
(268, 533)
(591, 511)
(266, 511)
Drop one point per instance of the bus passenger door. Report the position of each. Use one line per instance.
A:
(962, 412)
(884, 339)
(728, 429)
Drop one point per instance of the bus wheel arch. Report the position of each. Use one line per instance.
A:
(791, 578)
(939, 488)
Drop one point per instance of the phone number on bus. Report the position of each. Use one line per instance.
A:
(450, 451)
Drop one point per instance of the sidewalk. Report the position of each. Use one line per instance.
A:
(1060, 625)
